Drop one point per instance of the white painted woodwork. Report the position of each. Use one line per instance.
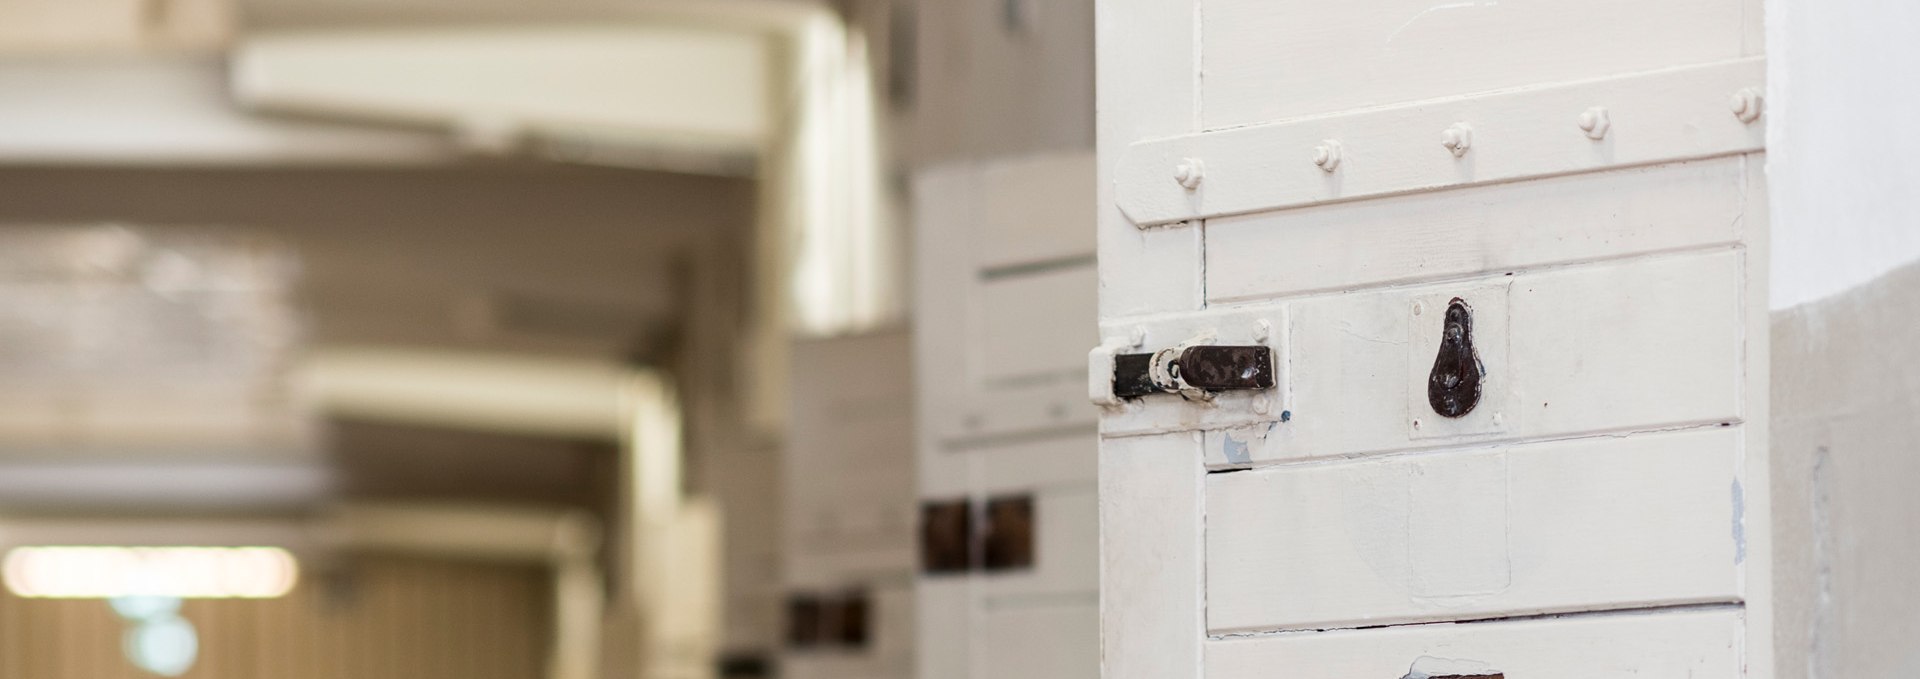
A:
(1687, 644)
(944, 627)
(1613, 473)
(1356, 364)
(1066, 553)
(1495, 229)
(890, 655)
(1257, 54)
(993, 79)
(1063, 462)
(1152, 586)
(1056, 640)
(1013, 350)
(1006, 297)
(1034, 209)
(848, 496)
(1049, 462)
(1152, 549)
(1583, 524)
(1004, 313)
(1148, 88)
(1655, 117)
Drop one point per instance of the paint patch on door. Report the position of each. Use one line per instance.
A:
(1240, 445)
(1739, 524)
(1428, 667)
(1457, 528)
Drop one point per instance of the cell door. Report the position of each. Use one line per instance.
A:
(1004, 310)
(1433, 339)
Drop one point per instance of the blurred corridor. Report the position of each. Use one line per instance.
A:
(514, 327)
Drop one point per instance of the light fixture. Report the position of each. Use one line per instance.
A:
(98, 572)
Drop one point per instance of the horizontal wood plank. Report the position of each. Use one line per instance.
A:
(1270, 60)
(1491, 229)
(1633, 345)
(1059, 641)
(1610, 522)
(1656, 117)
(1693, 644)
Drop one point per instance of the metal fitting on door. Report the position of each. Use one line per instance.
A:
(1457, 139)
(1594, 122)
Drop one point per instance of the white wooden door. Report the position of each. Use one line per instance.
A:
(1003, 314)
(849, 502)
(1567, 193)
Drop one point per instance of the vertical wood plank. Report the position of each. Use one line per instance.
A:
(1755, 526)
(1146, 83)
(1151, 548)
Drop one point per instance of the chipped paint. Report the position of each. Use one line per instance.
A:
(1430, 10)
(1234, 449)
(1429, 667)
(1739, 524)
(1236, 445)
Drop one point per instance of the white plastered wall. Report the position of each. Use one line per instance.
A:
(1845, 297)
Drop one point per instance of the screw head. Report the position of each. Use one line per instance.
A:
(1188, 173)
(1327, 155)
(1746, 104)
(1457, 139)
(1594, 122)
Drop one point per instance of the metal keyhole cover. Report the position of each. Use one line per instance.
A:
(1453, 388)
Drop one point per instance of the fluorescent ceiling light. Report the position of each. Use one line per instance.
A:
(185, 572)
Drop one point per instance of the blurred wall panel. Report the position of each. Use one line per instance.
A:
(385, 617)
(729, 460)
(507, 257)
(992, 78)
(113, 26)
(1006, 443)
(848, 476)
(174, 109)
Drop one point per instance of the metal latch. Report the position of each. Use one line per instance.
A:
(1195, 371)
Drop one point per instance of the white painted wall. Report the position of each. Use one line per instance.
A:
(1842, 141)
(1845, 194)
